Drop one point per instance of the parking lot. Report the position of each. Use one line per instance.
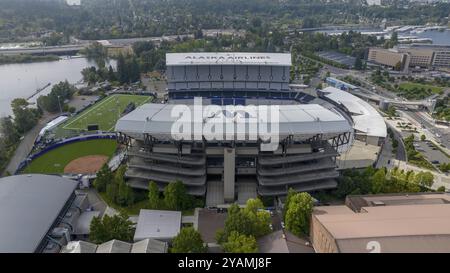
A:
(338, 57)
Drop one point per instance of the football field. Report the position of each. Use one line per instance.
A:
(104, 113)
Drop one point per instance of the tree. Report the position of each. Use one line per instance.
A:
(188, 241)
(104, 177)
(378, 181)
(298, 214)
(111, 75)
(423, 137)
(55, 99)
(111, 227)
(424, 179)
(125, 196)
(254, 210)
(240, 243)
(358, 64)
(24, 117)
(122, 70)
(8, 131)
(290, 194)
(153, 196)
(175, 196)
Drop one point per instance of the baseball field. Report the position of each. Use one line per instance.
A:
(104, 113)
(85, 157)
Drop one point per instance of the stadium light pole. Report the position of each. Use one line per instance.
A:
(59, 103)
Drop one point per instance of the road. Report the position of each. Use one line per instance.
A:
(43, 50)
(444, 134)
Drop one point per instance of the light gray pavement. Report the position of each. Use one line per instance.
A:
(386, 155)
(95, 200)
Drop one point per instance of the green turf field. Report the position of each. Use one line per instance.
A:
(105, 113)
(54, 161)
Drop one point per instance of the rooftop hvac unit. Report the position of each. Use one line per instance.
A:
(61, 232)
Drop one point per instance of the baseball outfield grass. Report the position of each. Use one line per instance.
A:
(53, 162)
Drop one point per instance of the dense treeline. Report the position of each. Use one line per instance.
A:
(55, 100)
(374, 181)
(11, 129)
(102, 19)
(26, 58)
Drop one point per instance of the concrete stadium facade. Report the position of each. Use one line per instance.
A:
(234, 169)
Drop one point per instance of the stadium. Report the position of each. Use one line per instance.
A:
(311, 131)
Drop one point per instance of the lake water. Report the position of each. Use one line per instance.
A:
(22, 80)
(438, 37)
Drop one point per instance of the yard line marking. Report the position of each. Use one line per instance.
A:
(88, 111)
(94, 107)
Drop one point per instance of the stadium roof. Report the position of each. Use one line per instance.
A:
(29, 205)
(157, 224)
(365, 118)
(228, 58)
(300, 120)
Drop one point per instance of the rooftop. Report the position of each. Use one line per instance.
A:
(116, 246)
(399, 222)
(366, 119)
(29, 205)
(157, 224)
(228, 58)
(303, 120)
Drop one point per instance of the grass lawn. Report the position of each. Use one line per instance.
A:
(54, 161)
(105, 113)
(411, 85)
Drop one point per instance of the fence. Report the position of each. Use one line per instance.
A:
(30, 158)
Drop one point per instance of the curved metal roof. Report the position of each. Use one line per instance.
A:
(301, 121)
(29, 205)
(366, 119)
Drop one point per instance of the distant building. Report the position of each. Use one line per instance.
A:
(341, 84)
(163, 225)
(415, 55)
(418, 222)
(389, 58)
(41, 213)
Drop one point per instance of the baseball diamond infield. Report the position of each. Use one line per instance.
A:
(57, 161)
(86, 165)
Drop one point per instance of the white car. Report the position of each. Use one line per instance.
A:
(282, 225)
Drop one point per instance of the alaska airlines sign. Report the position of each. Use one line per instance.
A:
(228, 58)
